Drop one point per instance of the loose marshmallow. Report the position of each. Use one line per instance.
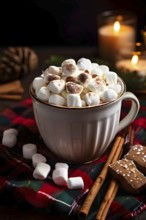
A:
(111, 78)
(69, 67)
(43, 93)
(74, 100)
(56, 86)
(109, 95)
(84, 64)
(60, 176)
(75, 183)
(56, 99)
(41, 171)
(28, 150)
(61, 165)
(37, 83)
(9, 140)
(92, 98)
(73, 88)
(38, 158)
(10, 131)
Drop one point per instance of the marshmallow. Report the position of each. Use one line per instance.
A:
(73, 88)
(9, 139)
(83, 103)
(69, 67)
(104, 69)
(75, 183)
(37, 83)
(38, 158)
(41, 171)
(96, 71)
(64, 94)
(74, 100)
(42, 75)
(97, 85)
(85, 90)
(84, 64)
(43, 93)
(94, 65)
(109, 95)
(56, 86)
(92, 98)
(55, 70)
(71, 79)
(60, 176)
(117, 88)
(84, 79)
(68, 61)
(56, 99)
(69, 70)
(28, 150)
(61, 165)
(49, 77)
(111, 78)
(10, 131)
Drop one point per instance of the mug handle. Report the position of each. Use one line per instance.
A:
(135, 106)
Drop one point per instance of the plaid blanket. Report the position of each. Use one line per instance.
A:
(17, 182)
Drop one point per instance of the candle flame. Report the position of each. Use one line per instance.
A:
(134, 59)
(116, 26)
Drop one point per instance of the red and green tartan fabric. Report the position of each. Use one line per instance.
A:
(16, 172)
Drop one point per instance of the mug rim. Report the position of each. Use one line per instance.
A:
(31, 92)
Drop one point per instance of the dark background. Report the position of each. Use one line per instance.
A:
(59, 22)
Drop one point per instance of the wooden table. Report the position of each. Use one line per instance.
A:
(21, 212)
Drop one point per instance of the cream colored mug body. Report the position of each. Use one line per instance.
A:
(80, 135)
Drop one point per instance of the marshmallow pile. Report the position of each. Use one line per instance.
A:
(77, 84)
(39, 162)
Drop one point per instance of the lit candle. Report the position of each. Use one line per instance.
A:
(135, 64)
(115, 39)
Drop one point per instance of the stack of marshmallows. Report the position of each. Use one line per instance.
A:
(77, 84)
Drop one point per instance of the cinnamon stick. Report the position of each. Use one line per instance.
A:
(113, 187)
(114, 153)
(106, 199)
(112, 193)
(131, 135)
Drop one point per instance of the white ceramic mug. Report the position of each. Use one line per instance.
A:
(80, 135)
